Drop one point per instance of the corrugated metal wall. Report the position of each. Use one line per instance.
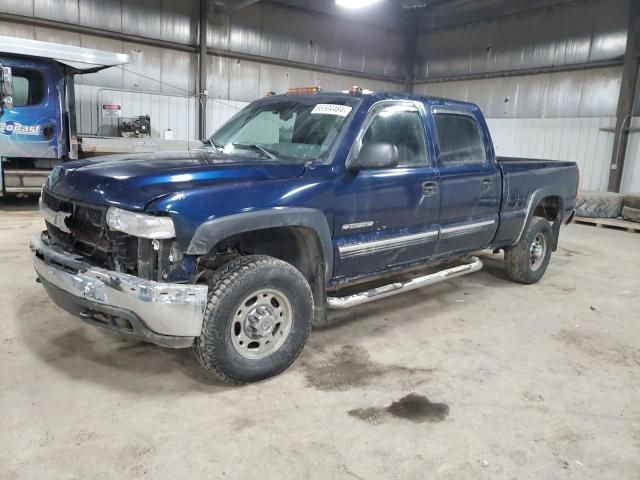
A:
(157, 80)
(557, 115)
(578, 139)
(584, 33)
(526, 113)
(579, 93)
(276, 32)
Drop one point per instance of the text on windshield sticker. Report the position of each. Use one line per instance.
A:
(331, 109)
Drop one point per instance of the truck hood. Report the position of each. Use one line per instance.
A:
(132, 181)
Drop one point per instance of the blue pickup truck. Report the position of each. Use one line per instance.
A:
(294, 206)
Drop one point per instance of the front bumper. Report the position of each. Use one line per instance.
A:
(162, 313)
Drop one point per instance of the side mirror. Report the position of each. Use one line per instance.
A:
(375, 155)
(6, 87)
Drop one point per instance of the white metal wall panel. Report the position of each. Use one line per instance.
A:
(579, 93)
(245, 30)
(179, 21)
(177, 113)
(16, 30)
(245, 81)
(219, 111)
(106, 15)
(177, 72)
(58, 10)
(574, 139)
(56, 36)
(609, 34)
(142, 17)
(87, 109)
(586, 32)
(277, 32)
(19, 7)
(218, 77)
(631, 173)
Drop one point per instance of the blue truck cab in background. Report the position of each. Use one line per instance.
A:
(299, 203)
(37, 131)
(37, 107)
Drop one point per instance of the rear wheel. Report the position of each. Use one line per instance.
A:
(257, 320)
(527, 261)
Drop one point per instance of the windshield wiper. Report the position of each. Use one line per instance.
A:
(256, 148)
(217, 145)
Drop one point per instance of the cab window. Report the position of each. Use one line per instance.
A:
(460, 140)
(28, 87)
(400, 125)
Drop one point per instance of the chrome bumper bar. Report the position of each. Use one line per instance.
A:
(161, 309)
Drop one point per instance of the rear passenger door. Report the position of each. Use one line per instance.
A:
(470, 181)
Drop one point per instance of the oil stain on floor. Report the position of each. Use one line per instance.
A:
(413, 407)
(351, 367)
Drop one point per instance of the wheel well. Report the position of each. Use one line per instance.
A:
(299, 246)
(551, 209)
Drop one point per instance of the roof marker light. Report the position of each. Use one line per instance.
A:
(296, 90)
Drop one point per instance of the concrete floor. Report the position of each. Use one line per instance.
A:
(536, 382)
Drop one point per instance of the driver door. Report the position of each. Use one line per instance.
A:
(385, 217)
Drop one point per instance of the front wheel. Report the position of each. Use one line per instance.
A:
(257, 320)
(527, 260)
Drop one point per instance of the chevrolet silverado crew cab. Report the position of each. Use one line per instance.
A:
(294, 206)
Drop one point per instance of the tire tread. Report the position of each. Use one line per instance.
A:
(516, 258)
(221, 282)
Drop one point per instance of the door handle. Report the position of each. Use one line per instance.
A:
(485, 184)
(429, 188)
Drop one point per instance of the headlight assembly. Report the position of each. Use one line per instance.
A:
(140, 224)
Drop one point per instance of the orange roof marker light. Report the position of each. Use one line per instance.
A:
(297, 90)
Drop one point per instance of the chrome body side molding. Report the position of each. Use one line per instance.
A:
(376, 246)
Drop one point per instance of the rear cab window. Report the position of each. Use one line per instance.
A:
(460, 138)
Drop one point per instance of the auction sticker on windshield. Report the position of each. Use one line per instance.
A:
(331, 109)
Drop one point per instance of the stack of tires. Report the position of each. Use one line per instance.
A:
(631, 207)
(599, 204)
(608, 205)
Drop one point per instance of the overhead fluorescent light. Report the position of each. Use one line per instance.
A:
(355, 3)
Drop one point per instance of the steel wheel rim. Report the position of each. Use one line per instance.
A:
(261, 323)
(537, 251)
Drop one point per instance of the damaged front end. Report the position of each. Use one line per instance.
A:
(92, 266)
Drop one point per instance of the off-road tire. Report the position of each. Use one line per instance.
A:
(517, 259)
(631, 214)
(230, 284)
(632, 200)
(599, 204)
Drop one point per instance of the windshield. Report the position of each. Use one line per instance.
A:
(286, 129)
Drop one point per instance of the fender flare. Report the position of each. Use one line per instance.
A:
(534, 200)
(211, 232)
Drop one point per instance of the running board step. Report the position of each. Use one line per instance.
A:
(340, 303)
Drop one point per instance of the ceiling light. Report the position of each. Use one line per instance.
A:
(355, 3)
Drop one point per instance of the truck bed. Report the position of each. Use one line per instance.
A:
(525, 180)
